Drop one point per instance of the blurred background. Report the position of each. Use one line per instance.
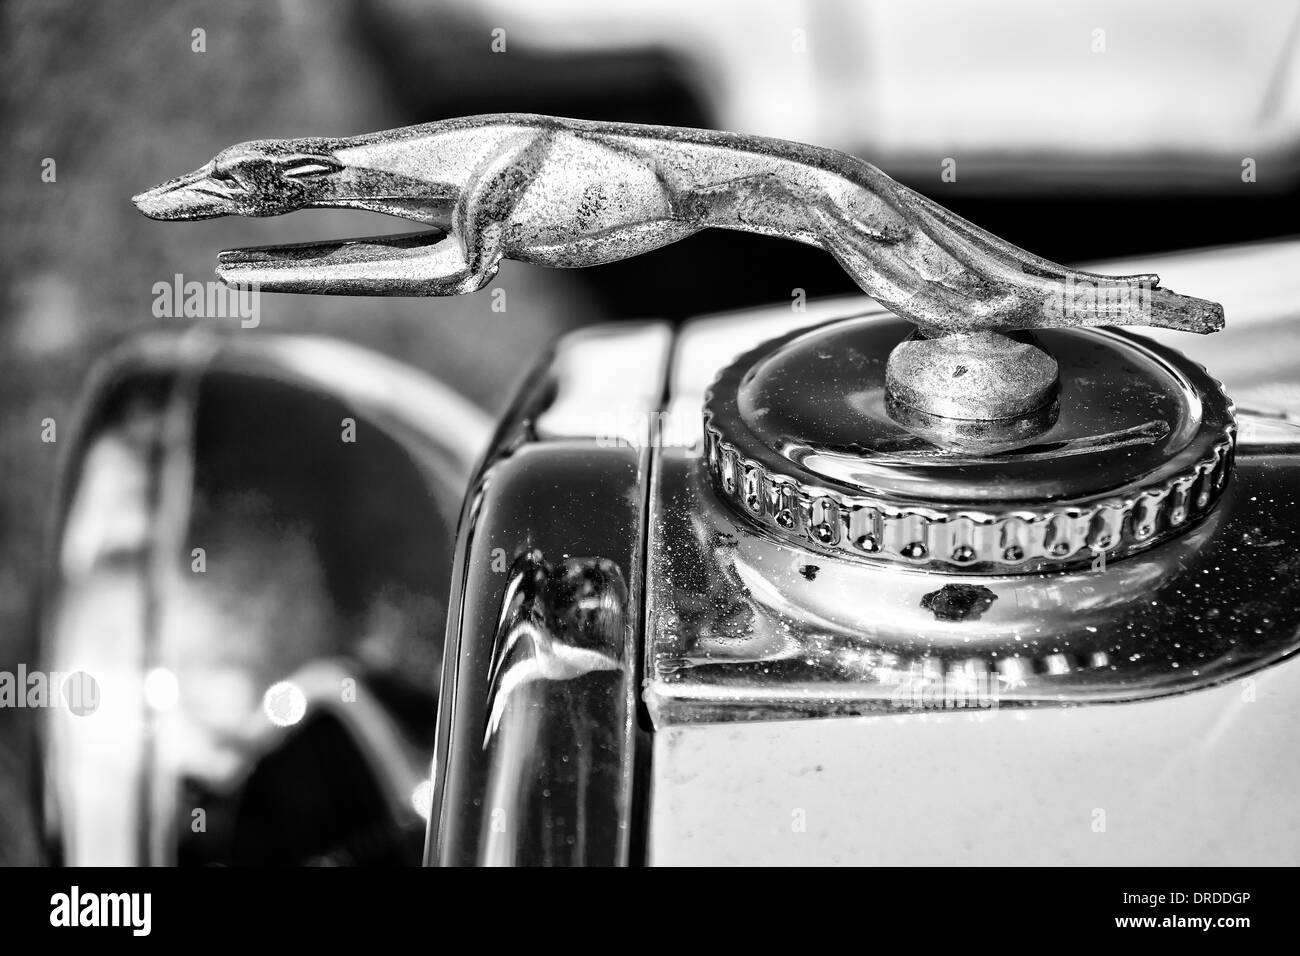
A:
(1079, 130)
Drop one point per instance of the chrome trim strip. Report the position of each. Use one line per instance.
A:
(537, 732)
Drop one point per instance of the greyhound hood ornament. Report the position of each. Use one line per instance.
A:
(570, 193)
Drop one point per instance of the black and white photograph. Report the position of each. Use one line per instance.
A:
(654, 434)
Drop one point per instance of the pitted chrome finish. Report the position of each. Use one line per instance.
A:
(804, 446)
(744, 623)
(1020, 540)
(979, 376)
(571, 193)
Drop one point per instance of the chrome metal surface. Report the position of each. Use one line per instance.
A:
(966, 377)
(570, 193)
(805, 445)
(191, 579)
(537, 730)
(745, 624)
(563, 192)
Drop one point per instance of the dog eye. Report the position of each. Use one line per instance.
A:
(307, 169)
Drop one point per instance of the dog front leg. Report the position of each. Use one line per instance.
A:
(419, 264)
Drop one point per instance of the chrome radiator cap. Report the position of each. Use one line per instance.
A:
(812, 439)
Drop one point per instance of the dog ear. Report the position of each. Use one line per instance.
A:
(302, 165)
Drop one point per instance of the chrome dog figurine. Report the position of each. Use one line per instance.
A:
(571, 193)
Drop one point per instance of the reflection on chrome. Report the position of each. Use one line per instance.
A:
(262, 617)
(542, 632)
